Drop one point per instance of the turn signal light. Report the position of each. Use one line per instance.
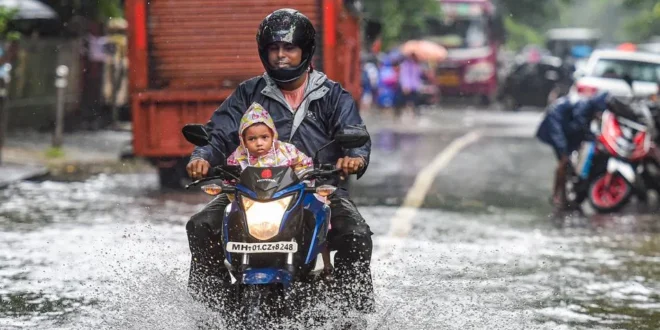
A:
(212, 189)
(325, 190)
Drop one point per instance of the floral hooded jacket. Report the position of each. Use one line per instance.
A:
(281, 153)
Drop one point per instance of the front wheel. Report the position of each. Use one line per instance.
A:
(609, 196)
(260, 306)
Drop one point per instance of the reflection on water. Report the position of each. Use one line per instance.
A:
(111, 253)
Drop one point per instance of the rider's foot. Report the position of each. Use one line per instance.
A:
(558, 202)
(327, 274)
(366, 304)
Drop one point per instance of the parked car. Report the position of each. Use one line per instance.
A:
(606, 70)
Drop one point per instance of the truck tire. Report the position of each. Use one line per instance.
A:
(173, 177)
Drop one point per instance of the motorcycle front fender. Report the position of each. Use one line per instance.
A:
(625, 169)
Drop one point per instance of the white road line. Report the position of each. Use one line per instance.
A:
(401, 222)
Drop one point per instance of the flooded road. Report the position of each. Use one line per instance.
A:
(111, 252)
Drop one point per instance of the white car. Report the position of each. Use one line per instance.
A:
(605, 69)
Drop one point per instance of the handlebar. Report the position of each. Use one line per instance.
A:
(223, 172)
(331, 172)
(322, 172)
(226, 172)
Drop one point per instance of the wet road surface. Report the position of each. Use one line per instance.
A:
(111, 252)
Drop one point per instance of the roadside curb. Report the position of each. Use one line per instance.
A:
(11, 173)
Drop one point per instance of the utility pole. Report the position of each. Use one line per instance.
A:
(61, 82)
(4, 108)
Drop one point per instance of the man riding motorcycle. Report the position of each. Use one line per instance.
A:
(308, 109)
(565, 126)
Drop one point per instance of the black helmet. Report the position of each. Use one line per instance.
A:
(287, 25)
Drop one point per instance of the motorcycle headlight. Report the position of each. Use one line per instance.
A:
(265, 218)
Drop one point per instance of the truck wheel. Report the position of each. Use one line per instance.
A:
(175, 176)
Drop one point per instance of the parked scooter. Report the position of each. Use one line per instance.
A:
(612, 168)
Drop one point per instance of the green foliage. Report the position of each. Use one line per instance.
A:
(527, 20)
(6, 16)
(520, 34)
(646, 23)
(54, 153)
(98, 10)
(532, 13)
(109, 9)
(638, 3)
(401, 19)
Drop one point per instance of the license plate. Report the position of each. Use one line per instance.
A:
(273, 247)
(449, 79)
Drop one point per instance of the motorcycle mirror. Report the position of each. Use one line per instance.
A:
(349, 137)
(196, 134)
(352, 137)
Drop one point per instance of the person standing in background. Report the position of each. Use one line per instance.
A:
(410, 79)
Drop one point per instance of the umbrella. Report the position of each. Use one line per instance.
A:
(424, 50)
(29, 9)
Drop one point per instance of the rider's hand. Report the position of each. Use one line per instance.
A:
(350, 165)
(198, 168)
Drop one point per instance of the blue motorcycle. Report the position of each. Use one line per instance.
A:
(273, 230)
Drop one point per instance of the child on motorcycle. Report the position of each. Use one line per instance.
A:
(260, 148)
(259, 144)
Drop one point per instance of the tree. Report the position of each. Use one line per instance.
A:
(6, 15)
(533, 13)
(646, 23)
(405, 19)
(401, 19)
(519, 35)
(99, 10)
(525, 20)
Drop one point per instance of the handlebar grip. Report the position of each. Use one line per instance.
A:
(214, 171)
(330, 172)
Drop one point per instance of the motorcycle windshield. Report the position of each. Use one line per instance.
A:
(266, 181)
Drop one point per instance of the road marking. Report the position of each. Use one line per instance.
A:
(401, 222)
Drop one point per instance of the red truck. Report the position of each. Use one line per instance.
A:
(187, 56)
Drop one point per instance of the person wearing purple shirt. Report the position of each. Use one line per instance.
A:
(410, 80)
